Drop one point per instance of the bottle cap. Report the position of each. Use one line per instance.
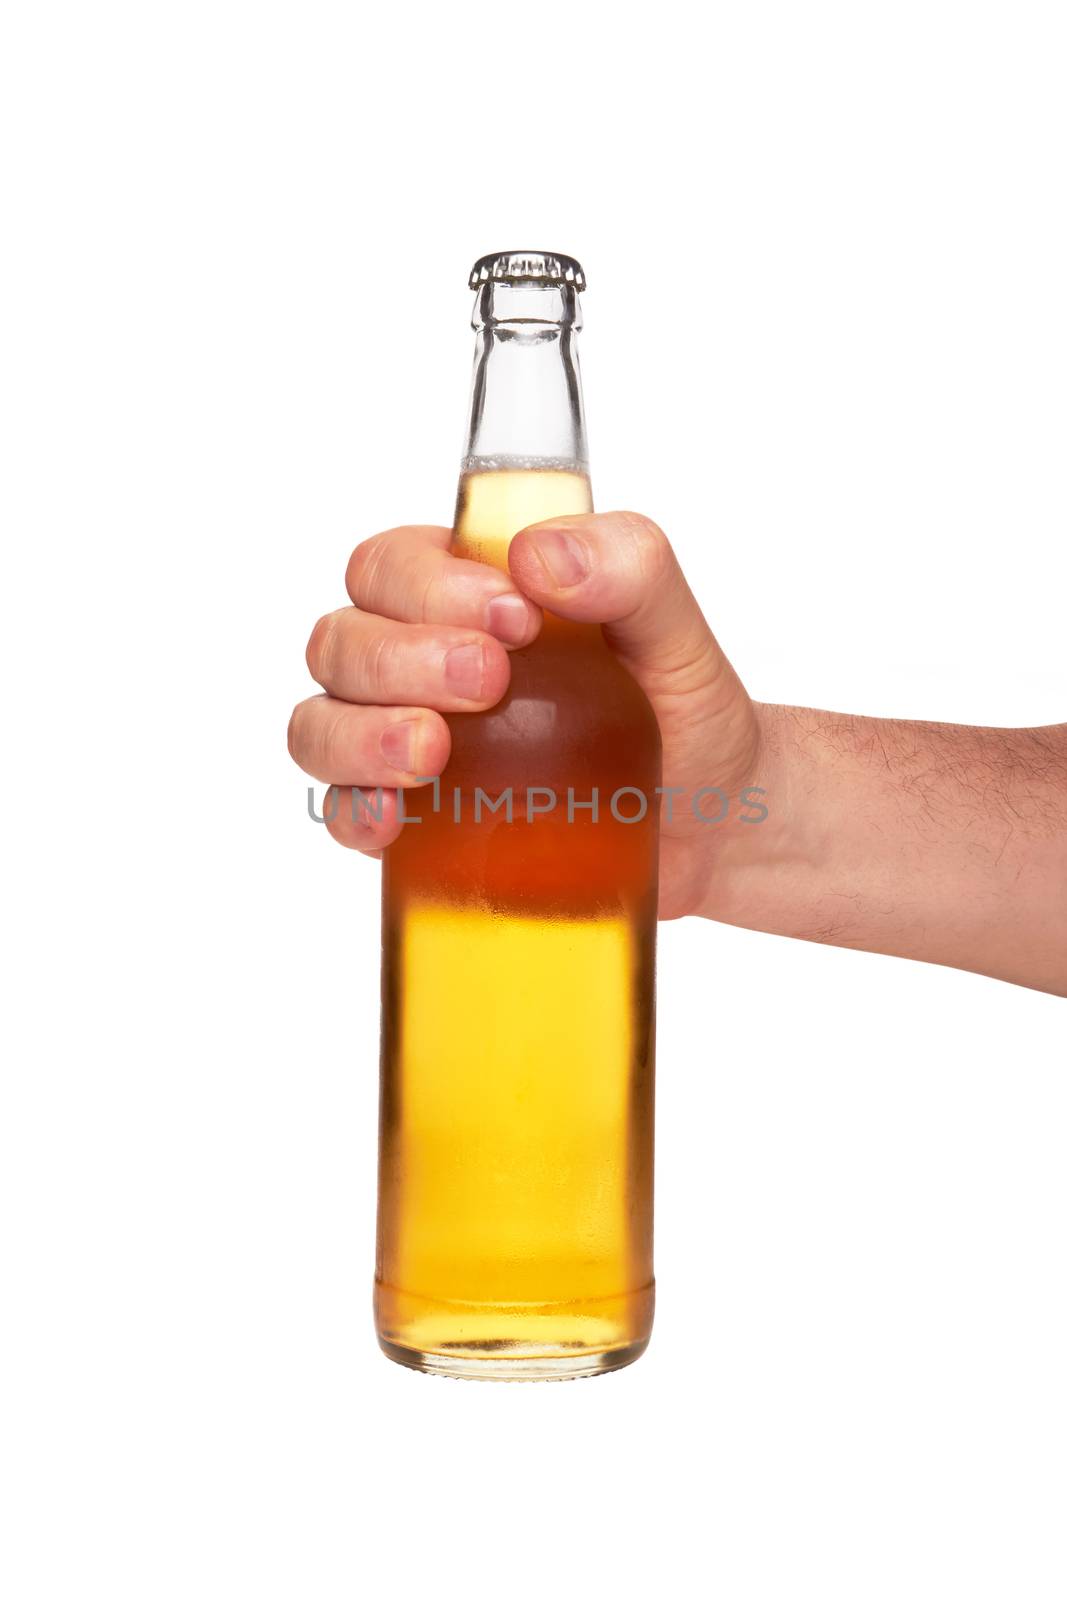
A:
(527, 266)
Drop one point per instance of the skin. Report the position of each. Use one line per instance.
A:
(927, 840)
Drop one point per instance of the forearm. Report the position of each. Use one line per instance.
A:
(934, 841)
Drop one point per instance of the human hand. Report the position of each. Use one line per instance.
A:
(429, 632)
(933, 841)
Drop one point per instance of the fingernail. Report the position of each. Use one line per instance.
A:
(465, 671)
(507, 618)
(561, 556)
(398, 744)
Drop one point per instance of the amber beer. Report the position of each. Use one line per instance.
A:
(519, 915)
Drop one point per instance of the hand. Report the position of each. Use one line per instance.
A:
(428, 632)
(928, 840)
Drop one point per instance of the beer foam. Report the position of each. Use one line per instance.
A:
(473, 464)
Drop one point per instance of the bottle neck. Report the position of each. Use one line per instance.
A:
(526, 399)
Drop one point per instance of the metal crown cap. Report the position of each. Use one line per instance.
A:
(527, 266)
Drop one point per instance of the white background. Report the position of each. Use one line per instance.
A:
(826, 345)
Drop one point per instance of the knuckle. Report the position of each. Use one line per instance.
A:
(650, 543)
(363, 566)
(380, 666)
(334, 745)
(320, 646)
(428, 608)
(291, 732)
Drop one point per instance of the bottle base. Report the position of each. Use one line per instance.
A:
(520, 1364)
(514, 1341)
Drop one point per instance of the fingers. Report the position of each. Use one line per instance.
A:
(428, 634)
(617, 568)
(362, 819)
(372, 661)
(368, 745)
(408, 574)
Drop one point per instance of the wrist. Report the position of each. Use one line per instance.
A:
(762, 870)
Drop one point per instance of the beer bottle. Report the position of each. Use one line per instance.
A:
(519, 916)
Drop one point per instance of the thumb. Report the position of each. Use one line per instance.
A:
(617, 568)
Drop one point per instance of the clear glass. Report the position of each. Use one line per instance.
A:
(515, 1199)
(526, 397)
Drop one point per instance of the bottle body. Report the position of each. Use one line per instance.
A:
(519, 907)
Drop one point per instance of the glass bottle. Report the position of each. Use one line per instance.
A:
(519, 917)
